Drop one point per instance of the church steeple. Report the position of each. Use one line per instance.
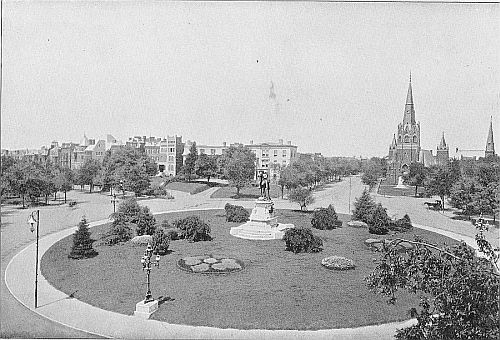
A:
(442, 144)
(409, 116)
(490, 145)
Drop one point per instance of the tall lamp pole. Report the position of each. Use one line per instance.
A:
(32, 220)
(350, 177)
(146, 265)
(114, 200)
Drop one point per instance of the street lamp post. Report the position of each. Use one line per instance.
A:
(114, 200)
(122, 187)
(350, 177)
(32, 220)
(146, 265)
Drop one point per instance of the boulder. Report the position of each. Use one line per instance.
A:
(357, 224)
(142, 240)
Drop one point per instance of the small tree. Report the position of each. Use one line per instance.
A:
(239, 166)
(325, 218)
(190, 163)
(378, 220)
(417, 176)
(440, 182)
(82, 243)
(146, 222)
(161, 241)
(194, 229)
(302, 196)
(363, 207)
(302, 240)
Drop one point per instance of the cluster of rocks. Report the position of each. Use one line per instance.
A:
(208, 264)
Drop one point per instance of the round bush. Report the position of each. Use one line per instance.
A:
(338, 263)
(325, 219)
(194, 229)
(236, 213)
(302, 240)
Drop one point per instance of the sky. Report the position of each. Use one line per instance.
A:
(204, 71)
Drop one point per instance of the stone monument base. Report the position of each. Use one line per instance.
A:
(253, 230)
(144, 310)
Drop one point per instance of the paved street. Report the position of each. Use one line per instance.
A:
(15, 235)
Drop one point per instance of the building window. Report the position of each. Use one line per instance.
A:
(212, 151)
(170, 167)
(275, 153)
(414, 139)
(407, 139)
(202, 150)
(170, 158)
(284, 153)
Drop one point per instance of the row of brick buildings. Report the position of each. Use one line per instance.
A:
(168, 153)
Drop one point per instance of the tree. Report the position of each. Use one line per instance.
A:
(129, 167)
(460, 291)
(64, 180)
(82, 243)
(462, 194)
(206, 166)
(302, 196)
(363, 207)
(417, 176)
(440, 182)
(145, 221)
(239, 166)
(88, 172)
(288, 179)
(372, 171)
(190, 163)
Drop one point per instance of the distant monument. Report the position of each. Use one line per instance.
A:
(263, 225)
(400, 183)
(264, 185)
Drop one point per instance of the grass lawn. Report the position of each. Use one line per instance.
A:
(247, 193)
(276, 290)
(190, 187)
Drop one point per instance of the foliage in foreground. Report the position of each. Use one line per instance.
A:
(302, 240)
(236, 213)
(325, 219)
(459, 290)
(193, 228)
(82, 243)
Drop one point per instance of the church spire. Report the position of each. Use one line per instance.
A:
(409, 116)
(490, 145)
(442, 144)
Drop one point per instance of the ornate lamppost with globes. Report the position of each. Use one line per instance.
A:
(146, 265)
(33, 219)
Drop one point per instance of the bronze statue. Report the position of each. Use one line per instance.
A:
(264, 185)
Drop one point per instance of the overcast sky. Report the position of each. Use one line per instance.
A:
(204, 71)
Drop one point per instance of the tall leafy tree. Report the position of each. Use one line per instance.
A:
(239, 166)
(206, 166)
(417, 176)
(303, 196)
(88, 172)
(188, 169)
(440, 182)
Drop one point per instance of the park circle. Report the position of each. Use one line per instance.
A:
(276, 290)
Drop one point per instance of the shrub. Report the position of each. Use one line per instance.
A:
(363, 207)
(302, 240)
(173, 233)
(378, 220)
(402, 224)
(193, 228)
(236, 213)
(145, 221)
(120, 231)
(161, 241)
(325, 219)
(160, 191)
(82, 243)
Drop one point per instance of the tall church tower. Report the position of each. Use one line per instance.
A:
(443, 152)
(490, 145)
(405, 148)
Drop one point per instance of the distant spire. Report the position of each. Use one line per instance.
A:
(272, 95)
(393, 140)
(409, 116)
(442, 144)
(490, 144)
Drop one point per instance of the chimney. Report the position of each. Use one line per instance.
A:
(289, 142)
(281, 141)
(251, 142)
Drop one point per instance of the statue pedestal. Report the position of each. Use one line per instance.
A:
(263, 225)
(144, 310)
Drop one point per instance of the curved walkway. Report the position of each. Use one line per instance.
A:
(63, 310)
(59, 307)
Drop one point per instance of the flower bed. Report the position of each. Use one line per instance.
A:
(207, 264)
(338, 263)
